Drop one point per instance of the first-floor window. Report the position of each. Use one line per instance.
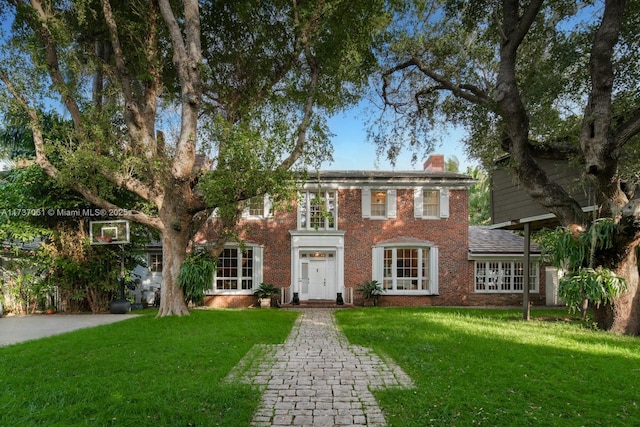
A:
(407, 269)
(235, 269)
(504, 276)
(155, 262)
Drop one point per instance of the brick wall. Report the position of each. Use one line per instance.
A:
(450, 235)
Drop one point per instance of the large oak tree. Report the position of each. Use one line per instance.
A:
(145, 84)
(530, 79)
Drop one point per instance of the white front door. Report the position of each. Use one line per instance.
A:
(318, 276)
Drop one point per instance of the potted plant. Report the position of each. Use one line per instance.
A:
(370, 290)
(264, 293)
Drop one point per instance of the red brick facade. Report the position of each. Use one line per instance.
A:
(449, 234)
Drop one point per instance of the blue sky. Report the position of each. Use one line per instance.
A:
(352, 151)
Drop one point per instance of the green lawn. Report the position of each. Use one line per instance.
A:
(489, 368)
(471, 367)
(139, 372)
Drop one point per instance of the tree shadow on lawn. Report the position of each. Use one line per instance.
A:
(476, 369)
(139, 372)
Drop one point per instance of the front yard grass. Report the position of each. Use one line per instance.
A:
(489, 368)
(139, 372)
(471, 367)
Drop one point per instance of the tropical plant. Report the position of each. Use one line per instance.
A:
(575, 254)
(598, 286)
(266, 290)
(196, 276)
(370, 290)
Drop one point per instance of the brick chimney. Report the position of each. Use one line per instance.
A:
(435, 163)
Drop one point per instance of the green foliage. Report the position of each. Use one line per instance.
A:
(22, 280)
(196, 276)
(248, 166)
(479, 194)
(562, 249)
(566, 251)
(458, 45)
(598, 285)
(370, 290)
(266, 290)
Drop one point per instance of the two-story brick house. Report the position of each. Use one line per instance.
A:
(407, 230)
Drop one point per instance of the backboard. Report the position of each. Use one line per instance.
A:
(114, 232)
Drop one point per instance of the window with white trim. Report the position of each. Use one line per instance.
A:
(406, 269)
(258, 207)
(238, 270)
(378, 203)
(317, 210)
(431, 203)
(495, 276)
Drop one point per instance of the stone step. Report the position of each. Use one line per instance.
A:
(317, 303)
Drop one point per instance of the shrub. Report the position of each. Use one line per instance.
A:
(370, 290)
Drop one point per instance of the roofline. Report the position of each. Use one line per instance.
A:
(516, 223)
(391, 178)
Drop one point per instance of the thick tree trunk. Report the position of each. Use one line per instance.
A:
(623, 316)
(175, 239)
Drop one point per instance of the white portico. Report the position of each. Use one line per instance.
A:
(317, 264)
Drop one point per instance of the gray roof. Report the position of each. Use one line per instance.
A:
(484, 240)
(30, 245)
(377, 177)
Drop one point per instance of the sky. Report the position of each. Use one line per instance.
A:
(352, 151)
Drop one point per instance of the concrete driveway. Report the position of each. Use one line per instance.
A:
(15, 329)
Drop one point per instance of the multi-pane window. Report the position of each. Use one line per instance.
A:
(235, 269)
(504, 276)
(155, 262)
(318, 210)
(406, 269)
(379, 203)
(255, 206)
(431, 203)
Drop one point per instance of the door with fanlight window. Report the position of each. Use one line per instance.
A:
(317, 275)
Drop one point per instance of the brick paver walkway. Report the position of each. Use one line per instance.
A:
(316, 378)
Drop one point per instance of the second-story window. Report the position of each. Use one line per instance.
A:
(317, 210)
(256, 206)
(379, 203)
(431, 203)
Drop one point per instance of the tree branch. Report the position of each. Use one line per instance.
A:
(138, 122)
(187, 58)
(515, 26)
(627, 129)
(39, 23)
(595, 136)
(43, 161)
(298, 150)
(465, 91)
